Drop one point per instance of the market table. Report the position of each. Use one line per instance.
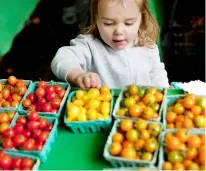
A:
(80, 151)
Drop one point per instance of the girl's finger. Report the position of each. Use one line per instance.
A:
(93, 80)
(80, 83)
(87, 81)
(98, 81)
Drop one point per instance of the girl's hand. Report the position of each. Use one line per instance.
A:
(88, 80)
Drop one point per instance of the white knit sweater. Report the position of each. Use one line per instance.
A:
(135, 65)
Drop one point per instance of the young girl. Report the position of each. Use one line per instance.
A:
(118, 49)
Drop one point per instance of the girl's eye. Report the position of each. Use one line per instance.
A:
(108, 24)
(128, 24)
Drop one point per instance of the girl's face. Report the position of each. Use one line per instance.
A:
(118, 23)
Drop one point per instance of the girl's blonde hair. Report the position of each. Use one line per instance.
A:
(148, 30)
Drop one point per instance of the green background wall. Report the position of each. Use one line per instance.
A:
(14, 14)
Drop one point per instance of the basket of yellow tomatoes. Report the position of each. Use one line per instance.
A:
(89, 110)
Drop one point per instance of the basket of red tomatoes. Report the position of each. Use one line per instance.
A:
(48, 98)
(30, 134)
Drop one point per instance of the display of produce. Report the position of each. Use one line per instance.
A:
(48, 98)
(30, 134)
(150, 127)
(93, 104)
(90, 110)
(12, 161)
(185, 111)
(12, 91)
(6, 117)
(133, 142)
(182, 150)
(139, 102)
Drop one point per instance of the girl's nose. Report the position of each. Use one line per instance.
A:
(118, 30)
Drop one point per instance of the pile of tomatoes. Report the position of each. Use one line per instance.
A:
(7, 162)
(184, 151)
(12, 92)
(93, 104)
(187, 112)
(29, 133)
(45, 98)
(141, 102)
(135, 139)
(5, 120)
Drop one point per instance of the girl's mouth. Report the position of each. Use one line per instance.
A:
(119, 42)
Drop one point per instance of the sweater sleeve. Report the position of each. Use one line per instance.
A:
(158, 73)
(77, 55)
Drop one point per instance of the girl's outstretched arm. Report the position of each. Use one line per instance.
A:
(76, 56)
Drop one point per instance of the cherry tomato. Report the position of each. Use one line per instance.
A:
(29, 144)
(46, 107)
(42, 84)
(126, 125)
(115, 148)
(8, 133)
(149, 98)
(5, 93)
(57, 88)
(16, 162)
(26, 103)
(12, 80)
(48, 127)
(41, 101)
(61, 93)
(40, 92)
(39, 146)
(32, 107)
(51, 96)
(1, 153)
(7, 143)
(18, 128)
(5, 162)
(27, 163)
(11, 115)
(132, 135)
(19, 140)
(27, 133)
(43, 123)
(128, 153)
(133, 89)
(20, 83)
(49, 89)
(22, 90)
(175, 156)
(147, 156)
(32, 125)
(31, 97)
(3, 127)
(150, 145)
(36, 133)
(55, 103)
(21, 120)
(33, 116)
(14, 103)
(154, 129)
(4, 118)
(43, 136)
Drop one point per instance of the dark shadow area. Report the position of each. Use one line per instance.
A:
(184, 40)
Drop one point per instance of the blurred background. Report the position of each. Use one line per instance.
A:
(31, 34)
